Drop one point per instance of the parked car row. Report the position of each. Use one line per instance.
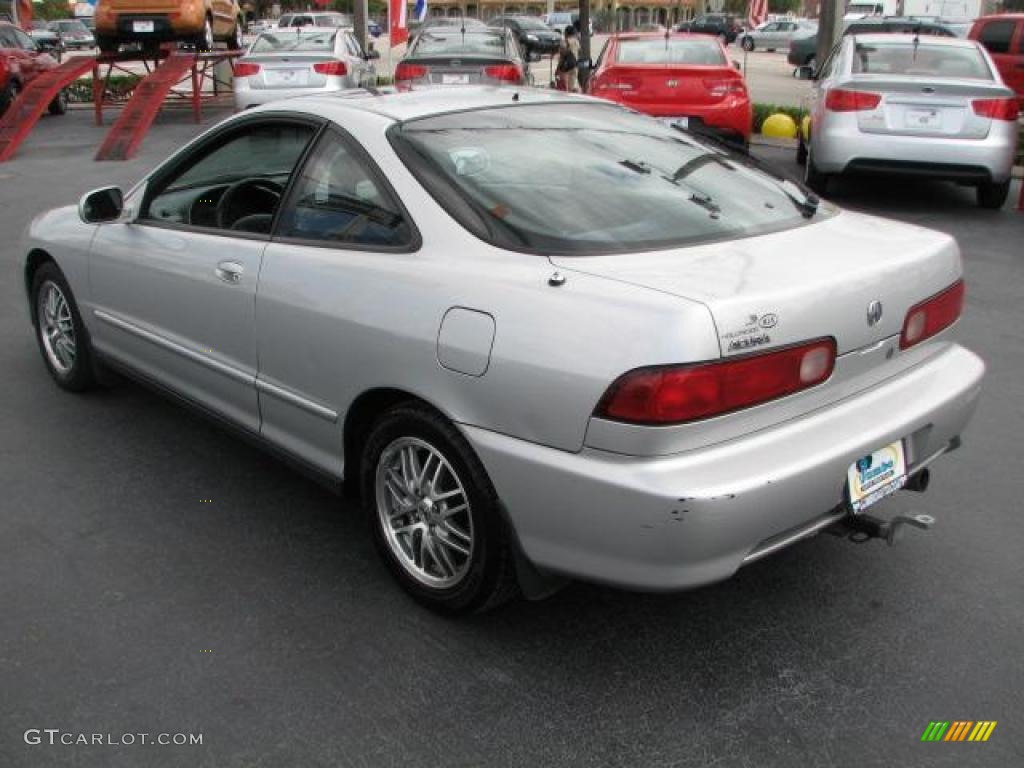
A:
(22, 60)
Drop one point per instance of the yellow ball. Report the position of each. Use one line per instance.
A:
(805, 127)
(779, 126)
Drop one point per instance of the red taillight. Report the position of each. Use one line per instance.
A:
(932, 315)
(722, 88)
(335, 68)
(508, 73)
(839, 100)
(996, 109)
(410, 71)
(677, 394)
(244, 69)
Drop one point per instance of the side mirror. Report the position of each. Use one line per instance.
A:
(100, 205)
(806, 72)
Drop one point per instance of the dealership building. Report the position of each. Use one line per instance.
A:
(626, 13)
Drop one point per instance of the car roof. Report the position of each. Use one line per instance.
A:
(953, 42)
(661, 36)
(422, 102)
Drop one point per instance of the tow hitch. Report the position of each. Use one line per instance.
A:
(861, 528)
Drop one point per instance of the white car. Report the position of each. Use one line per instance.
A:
(286, 62)
(907, 105)
(539, 335)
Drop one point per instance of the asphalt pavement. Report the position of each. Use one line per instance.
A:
(157, 575)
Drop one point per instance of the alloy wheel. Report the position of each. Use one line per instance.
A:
(424, 512)
(56, 328)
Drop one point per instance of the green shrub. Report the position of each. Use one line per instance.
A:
(119, 88)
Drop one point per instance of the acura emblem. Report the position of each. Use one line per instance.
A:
(874, 312)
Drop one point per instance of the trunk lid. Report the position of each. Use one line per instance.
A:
(150, 6)
(931, 107)
(667, 83)
(291, 71)
(804, 283)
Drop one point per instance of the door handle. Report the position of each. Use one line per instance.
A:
(229, 271)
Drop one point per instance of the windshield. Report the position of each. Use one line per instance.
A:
(527, 22)
(675, 51)
(920, 60)
(72, 26)
(294, 40)
(580, 179)
(436, 41)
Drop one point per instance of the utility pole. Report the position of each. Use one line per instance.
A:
(584, 36)
(359, 14)
(830, 27)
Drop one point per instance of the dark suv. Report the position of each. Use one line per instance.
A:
(719, 24)
(803, 51)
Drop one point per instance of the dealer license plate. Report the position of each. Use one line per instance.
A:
(142, 26)
(923, 118)
(873, 477)
(454, 79)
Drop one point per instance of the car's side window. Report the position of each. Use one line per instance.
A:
(234, 184)
(996, 36)
(339, 199)
(24, 41)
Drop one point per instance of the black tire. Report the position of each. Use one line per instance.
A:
(489, 571)
(204, 41)
(801, 151)
(8, 94)
(59, 105)
(81, 373)
(992, 195)
(107, 45)
(814, 178)
(748, 44)
(235, 42)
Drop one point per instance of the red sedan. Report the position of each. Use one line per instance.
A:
(680, 75)
(20, 63)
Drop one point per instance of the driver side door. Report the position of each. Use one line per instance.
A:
(174, 287)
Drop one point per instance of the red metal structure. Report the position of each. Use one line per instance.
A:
(23, 113)
(177, 75)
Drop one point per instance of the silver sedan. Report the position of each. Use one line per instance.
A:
(282, 63)
(540, 336)
(776, 34)
(930, 107)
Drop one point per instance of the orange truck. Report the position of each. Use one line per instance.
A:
(151, 22)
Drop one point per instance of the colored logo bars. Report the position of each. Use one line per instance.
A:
(958, 730)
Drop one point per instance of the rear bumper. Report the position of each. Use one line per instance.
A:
(841, 147)
(246, 97)
(684, 520)
(729, 119)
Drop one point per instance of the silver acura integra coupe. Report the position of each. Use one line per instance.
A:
(539, 335)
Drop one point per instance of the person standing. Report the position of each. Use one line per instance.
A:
(568, 62)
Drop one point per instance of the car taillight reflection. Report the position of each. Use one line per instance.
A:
(841, 100)
(932, 315)
(678, 394)
(245, 69)
(722, 88)
(996, 109)
(333, 68)
(508, 73)
(406, 72)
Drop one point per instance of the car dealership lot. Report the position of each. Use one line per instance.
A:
(159, 575)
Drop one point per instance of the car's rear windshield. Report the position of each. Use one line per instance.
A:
(475, 42)
(673, 51)
(581, 179)
(920, 60)
(294, 40)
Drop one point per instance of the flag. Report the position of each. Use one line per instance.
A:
(420, 10)
(757, 12)
(398, 28)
